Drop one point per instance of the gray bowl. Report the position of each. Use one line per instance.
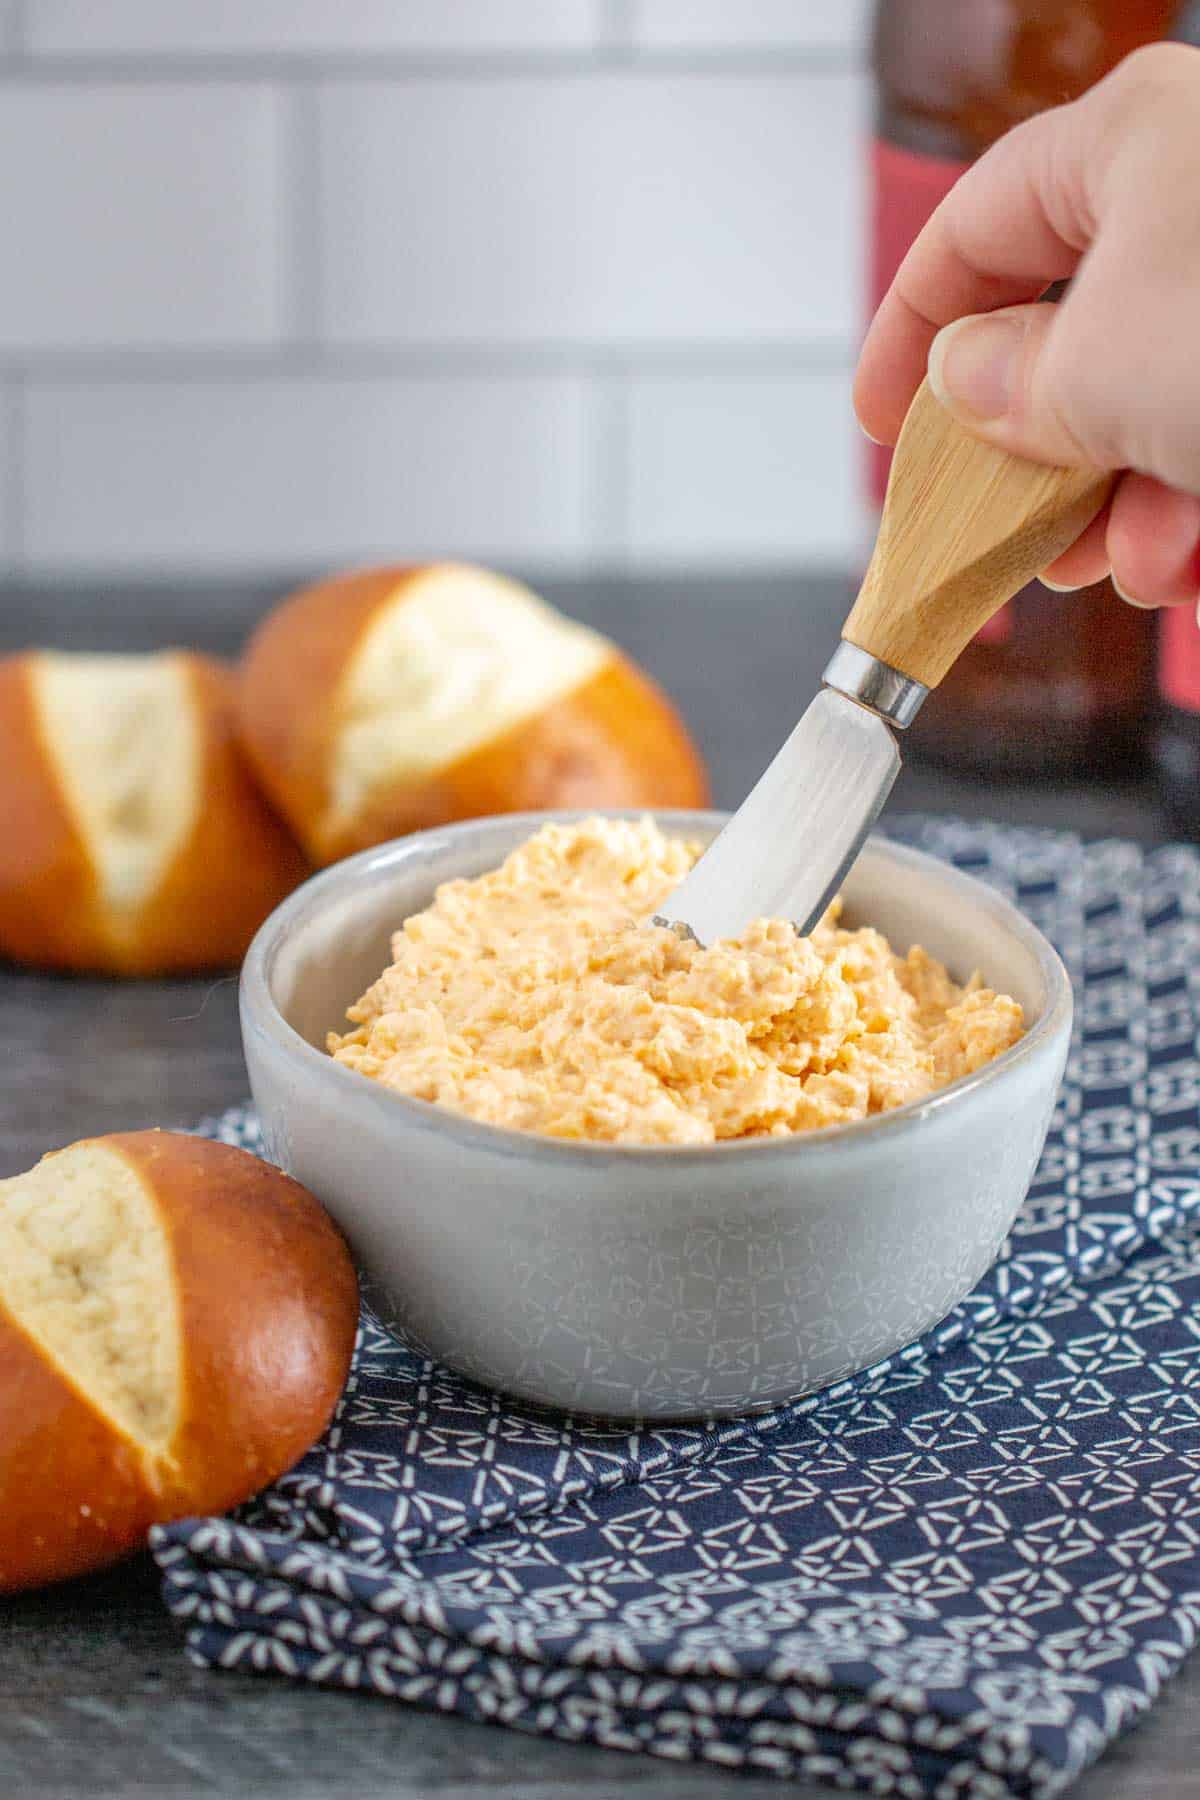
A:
(650, 1282)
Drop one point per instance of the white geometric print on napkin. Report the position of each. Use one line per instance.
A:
(959, 1574)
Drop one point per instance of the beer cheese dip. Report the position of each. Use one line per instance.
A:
(534, 997)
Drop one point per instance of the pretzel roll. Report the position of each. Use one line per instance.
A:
(176, 1324)
(388, 700)
(133, 838)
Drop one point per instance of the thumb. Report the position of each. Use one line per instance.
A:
(994, 372)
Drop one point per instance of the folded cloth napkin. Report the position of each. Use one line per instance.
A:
(961, 1573)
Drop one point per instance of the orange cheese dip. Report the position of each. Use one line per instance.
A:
(536, 997)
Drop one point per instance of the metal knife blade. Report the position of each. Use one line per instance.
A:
(826, 788)
(964, 526)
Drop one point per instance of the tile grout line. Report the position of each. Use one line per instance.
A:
(615, 34)
(14, 36)
(300, 249)
(430, 361)
(606, 452)
(67, 69)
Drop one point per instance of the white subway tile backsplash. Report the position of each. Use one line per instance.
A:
(308, 27)
(143, 217)
(601, 209)
(750, 24)
(289, 283)
(282, 473)
(742, 469)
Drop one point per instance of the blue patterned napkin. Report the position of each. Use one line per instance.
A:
(959, 1574)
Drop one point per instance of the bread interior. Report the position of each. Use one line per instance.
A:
(85, 1269)
(125, 739)
(456, 659)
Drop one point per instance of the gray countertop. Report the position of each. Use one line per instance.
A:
(96, 1695)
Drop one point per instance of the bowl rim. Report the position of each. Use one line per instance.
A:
(260, 1014)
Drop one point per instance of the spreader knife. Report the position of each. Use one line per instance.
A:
(964, 526)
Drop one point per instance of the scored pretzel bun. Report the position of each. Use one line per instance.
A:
(176, 1324)
(388, 700)
(133, 839)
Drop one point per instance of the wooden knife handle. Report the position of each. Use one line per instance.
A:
(964, 527)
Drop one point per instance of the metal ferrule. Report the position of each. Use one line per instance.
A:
(874, 684)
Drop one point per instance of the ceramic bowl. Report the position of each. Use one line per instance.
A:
(650, 1282)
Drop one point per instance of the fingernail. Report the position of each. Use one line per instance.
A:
(870, 436)
(1061, 587)
(1131, 599)
(973, 364)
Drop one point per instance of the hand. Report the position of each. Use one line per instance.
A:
(1105, 191)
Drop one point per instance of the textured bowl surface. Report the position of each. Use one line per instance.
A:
(651, 1282)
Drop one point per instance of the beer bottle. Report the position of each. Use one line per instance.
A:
(1056, 683)
(1177, 738)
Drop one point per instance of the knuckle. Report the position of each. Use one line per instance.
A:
(1153, 68)
(1156, 86)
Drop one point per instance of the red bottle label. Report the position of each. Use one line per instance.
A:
(1179, 658)
(905, 189)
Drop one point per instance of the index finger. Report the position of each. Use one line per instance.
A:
(1015, 222)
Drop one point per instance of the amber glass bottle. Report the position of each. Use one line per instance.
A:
(1056, 683)
(1177, 739)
